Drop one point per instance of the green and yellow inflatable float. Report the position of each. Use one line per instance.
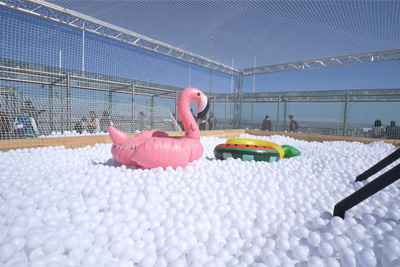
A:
(252, 149)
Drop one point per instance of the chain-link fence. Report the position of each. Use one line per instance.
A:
(61, 72)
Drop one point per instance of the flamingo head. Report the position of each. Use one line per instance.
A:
(192, 95)
(200, 99)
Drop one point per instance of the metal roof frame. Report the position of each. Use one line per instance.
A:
(358, 95)
(17, 71)
(326, 62)
(78, 20)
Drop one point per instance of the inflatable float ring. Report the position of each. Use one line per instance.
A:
(246, 152)
(259, 143)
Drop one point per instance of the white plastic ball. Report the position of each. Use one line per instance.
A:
(348, 260)
(16, 230)
(283, 244)
(7, 251)
(301, 252)
(366, 257)
(77, 253)
(196, 255)
(272, 260)
(89, 259)
(104, 257)
(247, 258)
(338, 242)
(172, 241)
(161, 262)
(331, 262)
(138, 255)
(171, 254)
(34, 240)
(71, 241)
(314, 238)
(21, 219)
(325, 249)
(39, 261)
(117, 247)
(51, 244)
(19, 242)
(315, 262)
(392, 248)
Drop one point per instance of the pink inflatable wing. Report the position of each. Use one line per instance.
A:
(154, 148)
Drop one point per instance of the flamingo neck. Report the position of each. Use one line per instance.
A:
(191, 128)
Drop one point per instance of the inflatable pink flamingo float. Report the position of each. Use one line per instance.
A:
(154, 148)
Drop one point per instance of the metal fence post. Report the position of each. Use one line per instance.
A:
(51, 108)
(68, 96)
(284, 115)
(277, 113)
(133, 108)
(346, 106)
(238, 102)
(226, 112)
(176, 105)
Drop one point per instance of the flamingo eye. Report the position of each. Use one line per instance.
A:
(198, 94)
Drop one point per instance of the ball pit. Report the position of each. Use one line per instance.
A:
(78, 207)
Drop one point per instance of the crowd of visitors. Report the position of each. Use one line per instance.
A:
(390, 132)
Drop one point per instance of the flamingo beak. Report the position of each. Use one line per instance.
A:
(203, 107)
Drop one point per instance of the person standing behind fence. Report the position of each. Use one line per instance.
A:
(25, 126)
(176, 123)
(211, 122)
(142, 120)
(202, 123)
(293, 124)
(266, 124)
(4, 125)
(392, 131)
(32, 111)
(94, 123)
(81, 125)
(105, 121)
(377, 130)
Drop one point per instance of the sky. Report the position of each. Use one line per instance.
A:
(272, 31)
(244, 34)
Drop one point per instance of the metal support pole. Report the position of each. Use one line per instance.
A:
(21, 100)
(176, 105)
(284, 115)
(346, 107)
(109, 101)
(213, 111)
(226, 112)
(252, 112)
(252, 103)
(152, 113)
(277, 113)
(238, 102)
(51, 108)
(83, 48)
(68, 101)
(133, 109)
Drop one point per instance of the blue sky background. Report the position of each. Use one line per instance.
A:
(271, 32)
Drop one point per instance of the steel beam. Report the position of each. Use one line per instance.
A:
(237, 116)
(326, 62)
